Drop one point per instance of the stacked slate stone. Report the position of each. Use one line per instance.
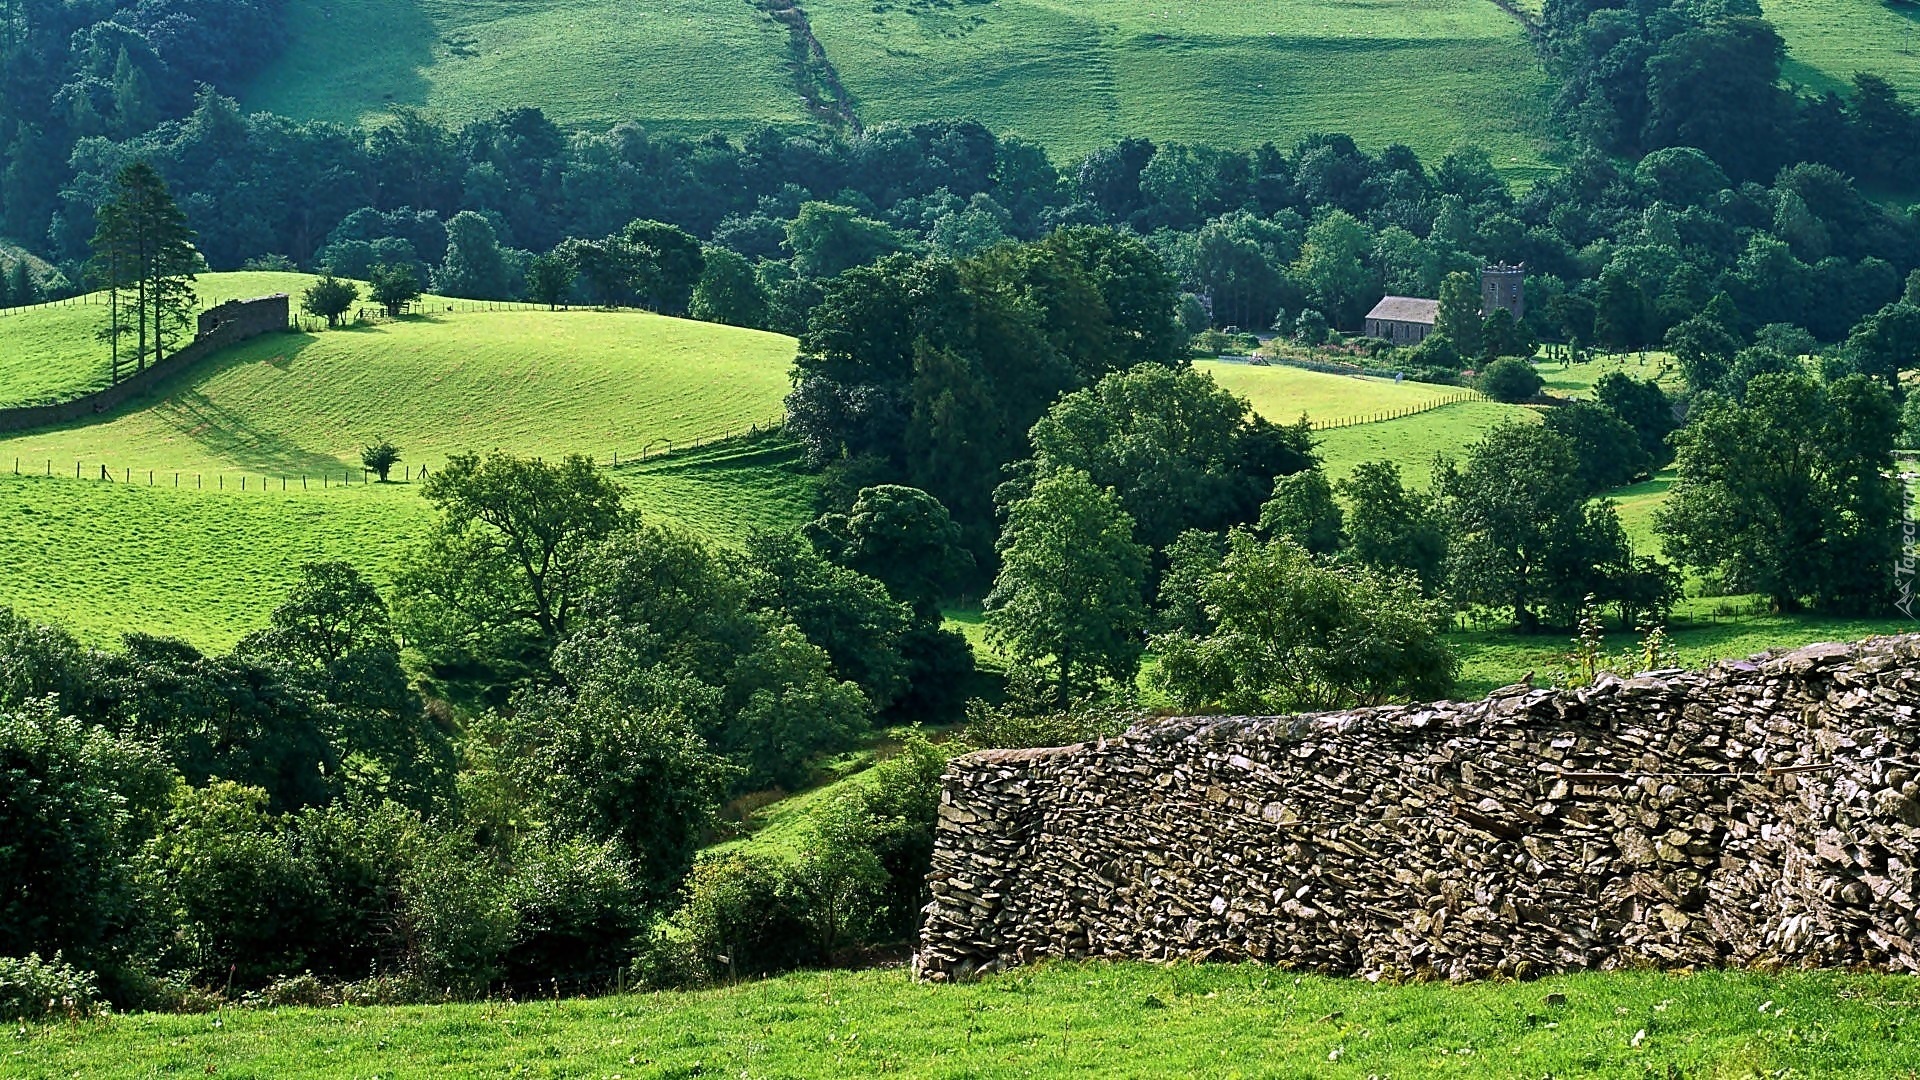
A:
(1763, 812)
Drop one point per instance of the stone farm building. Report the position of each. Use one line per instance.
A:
(1407, 320)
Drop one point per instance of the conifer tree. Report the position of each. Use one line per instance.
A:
(143, 254)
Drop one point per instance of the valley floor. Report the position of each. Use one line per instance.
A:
(1107, 1019)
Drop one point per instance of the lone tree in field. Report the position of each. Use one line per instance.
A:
(329, 298)
(381, 457)
(144, 256)
(394, 286)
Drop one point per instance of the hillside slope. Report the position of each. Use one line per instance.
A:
(208, 559)
(1429, 73)
(699, 64)
(1829, 40)
(533, 382)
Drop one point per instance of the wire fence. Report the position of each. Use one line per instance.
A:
(1397, 414)
(82, 300)
(347, 475)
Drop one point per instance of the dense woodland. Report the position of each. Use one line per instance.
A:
(496, 776)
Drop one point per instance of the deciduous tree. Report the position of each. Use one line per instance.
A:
(1068, 601)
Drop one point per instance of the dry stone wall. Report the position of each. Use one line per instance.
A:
(1763, 812)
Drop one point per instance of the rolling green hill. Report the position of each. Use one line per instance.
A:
(695, 64)
(104, 558)
(533, 382)
(1429, 73)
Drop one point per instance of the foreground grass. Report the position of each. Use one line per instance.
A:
(1102, 1019)
(700, 64)
(1428, 73)
(533, 382)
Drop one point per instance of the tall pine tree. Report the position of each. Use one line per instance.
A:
(143, 255)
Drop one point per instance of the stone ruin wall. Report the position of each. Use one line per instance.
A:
(1763, 812)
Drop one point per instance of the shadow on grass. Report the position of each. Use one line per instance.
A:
(178, 402)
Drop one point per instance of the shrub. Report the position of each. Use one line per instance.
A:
(36, 989)
(75, 804)
(381, 457)
(1015, 727)
(238, 898)
(1510, 380)
(455, 920)
(743, 915)
(578, 909)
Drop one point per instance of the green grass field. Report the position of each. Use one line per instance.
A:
(533, 382)
(1283, 394)
(1829, 40)
(1120, 1020)
(1413, 441)
(1429, 73)
(50, 353)
(689, 64)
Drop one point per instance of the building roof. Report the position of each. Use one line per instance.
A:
(1408, 309)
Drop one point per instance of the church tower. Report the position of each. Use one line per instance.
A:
(1503, 286)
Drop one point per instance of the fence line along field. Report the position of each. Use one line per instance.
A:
(1277, 390)
(532, 382)
(688, 64)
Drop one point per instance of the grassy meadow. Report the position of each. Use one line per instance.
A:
(1429, 73)
(1829, 40)
(1085, 1019)
(209, 565)
(689, 64)
(1277, 390)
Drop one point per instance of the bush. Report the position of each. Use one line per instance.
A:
(239, 900)
(1015, 727)
(75, 803)
(36, 989)
(380, 457)
(578, 909)
(1510, 380)
(743, 915)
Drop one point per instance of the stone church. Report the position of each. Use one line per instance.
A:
(1407, 320)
